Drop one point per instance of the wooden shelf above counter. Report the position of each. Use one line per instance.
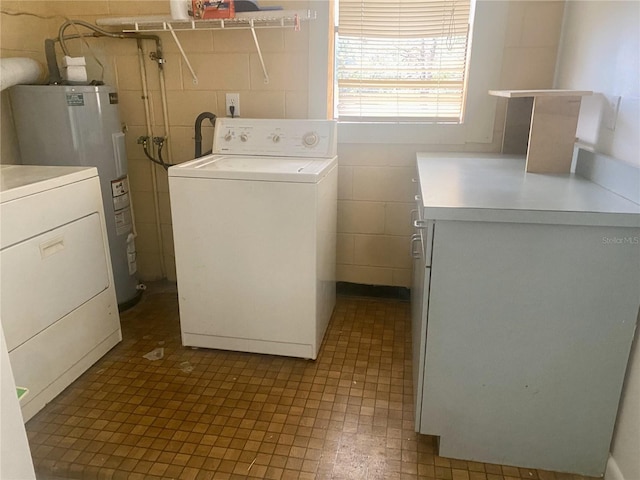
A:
(538, 93)
(542, 124)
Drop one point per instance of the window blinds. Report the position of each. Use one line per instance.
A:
(402, 59)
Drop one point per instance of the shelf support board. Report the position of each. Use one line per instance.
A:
(543, 123)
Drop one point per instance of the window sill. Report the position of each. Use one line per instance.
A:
(402, 133)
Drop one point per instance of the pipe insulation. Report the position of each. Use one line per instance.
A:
(17, 70)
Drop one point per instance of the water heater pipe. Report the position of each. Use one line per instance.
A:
(154, 180)
(165, 117)
(163, 94)
(14, 71)
(165, 109)
(101, 32)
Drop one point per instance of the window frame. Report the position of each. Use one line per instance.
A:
(399, 119)
(485, 65)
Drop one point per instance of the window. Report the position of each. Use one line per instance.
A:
(401, 60)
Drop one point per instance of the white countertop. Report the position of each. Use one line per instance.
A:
(496, 188)
(17, 181)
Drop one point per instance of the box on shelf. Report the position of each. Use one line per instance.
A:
(210, 9)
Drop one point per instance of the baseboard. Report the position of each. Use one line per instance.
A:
(613, 471)
(376, 291)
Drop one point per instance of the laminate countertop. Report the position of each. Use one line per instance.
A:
(496, 188)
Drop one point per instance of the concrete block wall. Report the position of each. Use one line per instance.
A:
(375, 189)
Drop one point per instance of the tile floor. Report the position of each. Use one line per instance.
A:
(208, 414)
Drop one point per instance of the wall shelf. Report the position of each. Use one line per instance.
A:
(542, 124)
(242, 21)
(539, 93)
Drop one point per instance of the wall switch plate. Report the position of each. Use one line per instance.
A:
(232, 100)
(610, 111)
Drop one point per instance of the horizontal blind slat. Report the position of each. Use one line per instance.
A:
(402, 59)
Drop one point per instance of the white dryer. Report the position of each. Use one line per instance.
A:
(254, 228)
(58, 303)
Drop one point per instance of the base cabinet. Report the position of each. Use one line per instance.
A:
(522, 334)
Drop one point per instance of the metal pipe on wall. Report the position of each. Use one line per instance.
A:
(153, 171)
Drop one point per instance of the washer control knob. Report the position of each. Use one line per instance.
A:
(244, 137)
(227, 137)
(275, 138)
(310, 139)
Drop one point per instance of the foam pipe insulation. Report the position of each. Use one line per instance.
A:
(14, 71)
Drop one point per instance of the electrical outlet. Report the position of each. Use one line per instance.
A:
(233, 100)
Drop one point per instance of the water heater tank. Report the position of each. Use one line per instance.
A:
(80, 125)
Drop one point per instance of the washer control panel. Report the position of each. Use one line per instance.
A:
(286, 138)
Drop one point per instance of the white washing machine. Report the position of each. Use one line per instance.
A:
(254, 228)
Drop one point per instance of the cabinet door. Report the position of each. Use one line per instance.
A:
(530, 328)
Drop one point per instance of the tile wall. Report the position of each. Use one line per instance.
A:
(375, 190)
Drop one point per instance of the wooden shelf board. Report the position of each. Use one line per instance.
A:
(539, 93)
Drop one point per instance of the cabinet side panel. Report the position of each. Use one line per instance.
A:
(326, 226)
(529, 333)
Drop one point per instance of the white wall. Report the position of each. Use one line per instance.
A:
(376, 194)
(600, 51)
(514, 47)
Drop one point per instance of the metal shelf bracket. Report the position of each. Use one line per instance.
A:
(255, 40)
(184, 55)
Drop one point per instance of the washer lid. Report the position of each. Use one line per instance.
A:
(265, 168)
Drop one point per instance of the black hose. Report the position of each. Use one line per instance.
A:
(165, 165)
(160, 142)
(146, 152)
(198, 131)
